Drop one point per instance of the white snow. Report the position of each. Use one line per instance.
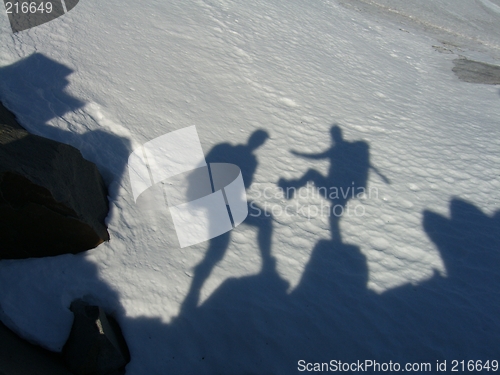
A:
(122, 73)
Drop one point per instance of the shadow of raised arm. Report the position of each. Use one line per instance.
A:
(380, 174)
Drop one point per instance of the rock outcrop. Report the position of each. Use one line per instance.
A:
(95, 345)
(52, 200)
(476, 72)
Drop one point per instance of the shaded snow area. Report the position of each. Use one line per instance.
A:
(365, 100)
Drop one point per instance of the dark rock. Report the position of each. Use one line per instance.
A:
(52, 200)
(476, 72)
(95, 345)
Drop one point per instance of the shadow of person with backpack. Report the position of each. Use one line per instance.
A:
(347, 176)
(242, 155)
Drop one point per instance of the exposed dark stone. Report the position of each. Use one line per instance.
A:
(52, 200)
(95, 345)
(476, 72)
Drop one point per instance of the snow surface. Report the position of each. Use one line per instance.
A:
(414, 278)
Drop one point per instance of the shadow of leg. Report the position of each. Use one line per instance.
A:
(264, 225)
(215, 253)
(290, 186)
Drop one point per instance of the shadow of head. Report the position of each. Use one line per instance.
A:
(35, 87)
(336, 133)
(257, 139)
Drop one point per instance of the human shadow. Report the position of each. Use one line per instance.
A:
(347, 176)
(242, 155)
(253, 325)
